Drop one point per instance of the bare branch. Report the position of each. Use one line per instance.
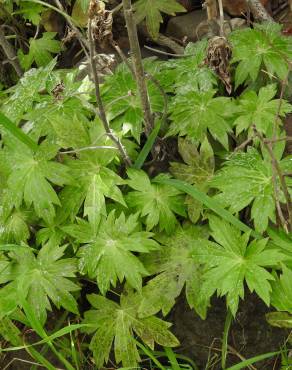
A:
(101, 112)
(278, 171)
(84, 43)
(10, 53)
(138, 66)
(258, 11)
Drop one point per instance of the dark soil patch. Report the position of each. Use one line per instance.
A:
(250, 334)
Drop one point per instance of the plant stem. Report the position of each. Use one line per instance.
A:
(221, 15)
(10, 54)
(84, 43)
(101, 109)
(138, 66)
(259, 11)
(227, 326)
(211, 7)
(278, 170)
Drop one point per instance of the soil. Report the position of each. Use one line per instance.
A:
(250, 334)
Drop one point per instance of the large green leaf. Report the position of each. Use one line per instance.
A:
(231, 260)
(108, 253)
(31, 178)
(175, 268)
(193, 113)
(117, 324)
(40, 50)
(157, 203)
(261, 47)
(197, 171)
(245, 179)
(260, 110)
(42, 278)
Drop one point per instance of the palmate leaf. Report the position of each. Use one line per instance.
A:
(282, 241)
(122, 99)
(14, 228)
(246, 179)
(260, 110)
(190, 73)
(152, 9)
(117, 324)
(193, 113)
(30, 11)
(31, 176)
(40, 51)
(26, 92)
(94, 179)
(281, 297)
(157, 203)
(231, 260)
(175, 268)
(260, 47)
(42, 278)
(107, 254)
(197, 171)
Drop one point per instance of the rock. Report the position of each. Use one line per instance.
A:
(185, 26)
(194, 26)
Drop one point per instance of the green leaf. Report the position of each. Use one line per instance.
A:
(122, 100)
(31, 12)
(209, 202)
(175, 269)
(152, 9)
(193, 113)
(96, 182)
(246, 179)
(9, 331)
(108, 252)
(260, 110)
(30, 179)
(190, 73)
(14, 228)
(230, 261)
(26, 92)
(197, 171)
(40, 51)
(158, 203)
(282, 290)
(261, 47)
(147, 147)
(279, 319)
(117, 324)
(17, 133)
(80, 12)
(44, 277)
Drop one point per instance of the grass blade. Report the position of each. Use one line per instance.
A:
(210, 203)
(172, 358)
(227, 325)
(147, 147)
(149, 353)
(252, 360)
(17, 132)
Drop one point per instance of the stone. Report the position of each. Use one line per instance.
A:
(185, 26)
(194, 26)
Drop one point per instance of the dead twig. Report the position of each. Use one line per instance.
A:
(83, 42)
(258, 11)
(138, 66)
(278, 171)
(10, 53)
(221, 18)
(101, 109)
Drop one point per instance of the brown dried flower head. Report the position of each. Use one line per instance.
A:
(101, 22)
